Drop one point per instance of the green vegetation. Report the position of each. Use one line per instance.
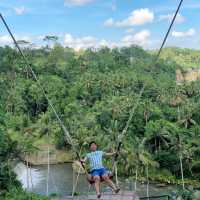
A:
(93, 92)
(186, 58)
(10, 188)
(19, 194)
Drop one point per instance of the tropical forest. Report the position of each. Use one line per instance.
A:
(94, 91)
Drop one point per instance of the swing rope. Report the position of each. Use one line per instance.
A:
(68, 137)
(66, 133)
(28, 66)
(124, 131)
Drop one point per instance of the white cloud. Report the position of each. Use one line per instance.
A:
(189, 33)
(169, 17)
(79, 43)
(26, 38)
(76, 2)
(40, 37)
(140, 38)
(137, 17)
(109, 22)
(105, 43)
(6, 39)
(20, 10)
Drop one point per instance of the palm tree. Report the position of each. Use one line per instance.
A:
(185, 114)
(50, 39)
(138, 157)
(186, 117)
(159, 134)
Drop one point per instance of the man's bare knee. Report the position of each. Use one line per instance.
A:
(105, 177)
(96, 178)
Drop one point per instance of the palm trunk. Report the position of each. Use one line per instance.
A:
(147, 171)
(182, 175)
(136, 177)
(180, 156)
(159, 146)
(116, 175)
(179, 117)
(156, 150)
(76, 182)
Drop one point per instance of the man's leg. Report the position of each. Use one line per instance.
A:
(97, 185)
(110, 183)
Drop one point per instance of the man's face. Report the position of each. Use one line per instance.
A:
(93, 147)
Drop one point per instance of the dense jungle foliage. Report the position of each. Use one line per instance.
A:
(94, 91)
(187, 58)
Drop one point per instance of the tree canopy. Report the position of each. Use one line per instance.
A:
(93, 91)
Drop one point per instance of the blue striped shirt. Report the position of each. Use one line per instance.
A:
(95, 159)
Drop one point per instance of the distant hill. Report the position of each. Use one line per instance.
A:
(186, 58)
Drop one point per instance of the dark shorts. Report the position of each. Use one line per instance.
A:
(99, 172)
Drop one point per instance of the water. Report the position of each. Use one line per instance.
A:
(61, 181)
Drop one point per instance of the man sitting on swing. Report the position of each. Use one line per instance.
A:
(98, 171)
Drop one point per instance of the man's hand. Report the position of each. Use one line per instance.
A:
(83, 160)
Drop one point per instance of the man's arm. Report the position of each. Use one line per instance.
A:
(109, 154)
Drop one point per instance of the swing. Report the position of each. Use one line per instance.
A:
(66, 133)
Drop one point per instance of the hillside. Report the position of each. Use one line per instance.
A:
(94, 92)
(186, 58)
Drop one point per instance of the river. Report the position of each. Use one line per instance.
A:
(61, 181)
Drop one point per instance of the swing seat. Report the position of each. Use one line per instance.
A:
(91, 181)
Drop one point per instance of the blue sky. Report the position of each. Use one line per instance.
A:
(93, 23)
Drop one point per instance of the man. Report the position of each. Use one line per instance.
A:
(98, 171)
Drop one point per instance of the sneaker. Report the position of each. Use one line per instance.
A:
(117, 190)
(98, 196)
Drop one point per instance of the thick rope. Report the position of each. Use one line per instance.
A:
(121, 136)
(144, 86)
(66, 133)
(28, 66)
(68, 137)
